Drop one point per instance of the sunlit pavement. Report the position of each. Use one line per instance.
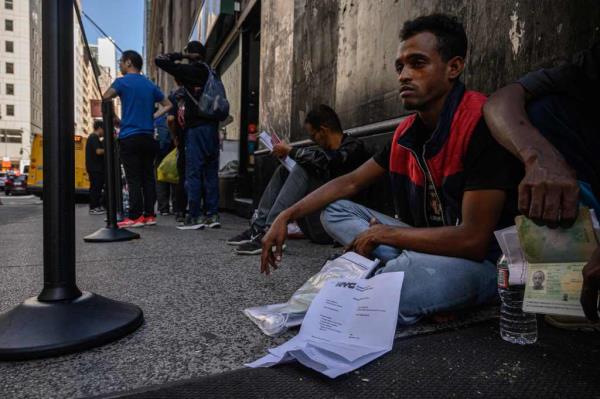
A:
(192, 289)
(190, 284)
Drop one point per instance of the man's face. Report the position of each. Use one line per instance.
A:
(124, 65)
(316, 135)
(423, 75)
(100, 132)
(538, 279)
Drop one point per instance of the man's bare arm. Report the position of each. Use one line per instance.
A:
(109, 94)
(549, 192)
(173, 128)
(164, 106)
(343, 187)
(470, 239)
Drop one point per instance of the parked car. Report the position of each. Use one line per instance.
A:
(3, 177)
(16, 185)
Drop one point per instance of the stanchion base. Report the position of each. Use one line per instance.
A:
(37, 329)
(107, 234)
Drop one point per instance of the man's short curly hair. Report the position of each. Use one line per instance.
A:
(450, 34)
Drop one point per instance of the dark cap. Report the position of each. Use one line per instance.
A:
(195, 47)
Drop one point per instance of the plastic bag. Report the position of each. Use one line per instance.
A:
(275, 319)
(167, 170)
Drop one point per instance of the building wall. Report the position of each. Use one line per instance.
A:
(168, 27)
(35, 55)
(84, 85)
(21, 121)
(231, 76)
(107, 55)
(343, 50)
(276, 68)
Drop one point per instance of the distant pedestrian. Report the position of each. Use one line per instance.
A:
(201, 136)
(137, 145)
(164, 190)
(94, 164)
(177, 133)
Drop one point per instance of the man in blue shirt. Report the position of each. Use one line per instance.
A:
(138, 148)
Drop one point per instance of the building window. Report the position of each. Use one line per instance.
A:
(10, 67)
(8, 4)
(9, 47)
(8, 25)
(11, 136)
(10, 89)
(10, 110)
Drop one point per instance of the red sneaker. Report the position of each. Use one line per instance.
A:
(149, 220)
(139, 222)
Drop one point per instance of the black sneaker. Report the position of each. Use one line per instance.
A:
(180, 218)
(253, 247)
(97, 211)
(191, 224)
(244, 237)
(212, 222)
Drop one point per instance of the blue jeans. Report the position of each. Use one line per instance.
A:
(202, 168)
(432, 283)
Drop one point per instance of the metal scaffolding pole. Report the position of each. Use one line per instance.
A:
(61, 319)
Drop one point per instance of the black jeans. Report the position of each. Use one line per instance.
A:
(137, 155)
(96, 186)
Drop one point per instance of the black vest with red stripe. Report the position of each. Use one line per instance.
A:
(443, 154)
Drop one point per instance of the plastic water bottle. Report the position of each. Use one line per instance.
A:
(516, 326)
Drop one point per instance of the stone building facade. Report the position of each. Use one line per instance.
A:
(341, 52)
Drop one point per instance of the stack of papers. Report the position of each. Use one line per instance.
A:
(277, 318)
(349, 324)
(269, 141)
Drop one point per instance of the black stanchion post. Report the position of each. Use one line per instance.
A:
(61, 319)
(118, 180)
(111, 232)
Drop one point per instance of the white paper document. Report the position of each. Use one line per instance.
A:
(508, 239)
(348, 324)
(269, 141)
(276, 318)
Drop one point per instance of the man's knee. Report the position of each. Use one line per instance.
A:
(333, 211)
(298, 171)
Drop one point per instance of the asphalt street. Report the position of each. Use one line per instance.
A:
(190, 285)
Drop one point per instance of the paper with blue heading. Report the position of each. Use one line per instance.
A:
(348, 324)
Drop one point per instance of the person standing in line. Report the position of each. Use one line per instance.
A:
(94, 164)
(178, 138)
(201, 136)
(164, 191)
(136, 138)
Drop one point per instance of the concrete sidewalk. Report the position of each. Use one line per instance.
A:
(190, 284)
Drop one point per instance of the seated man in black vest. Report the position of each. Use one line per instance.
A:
(547, 119)
(454, 185)
(335, 154)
